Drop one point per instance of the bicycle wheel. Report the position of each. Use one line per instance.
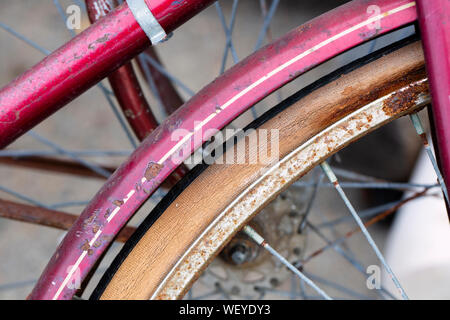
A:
(408, 16)
(192, 225)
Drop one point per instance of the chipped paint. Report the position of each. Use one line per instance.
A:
(153, 169)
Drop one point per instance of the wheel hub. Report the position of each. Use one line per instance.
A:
(243, 269)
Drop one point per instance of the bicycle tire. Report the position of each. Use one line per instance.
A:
(392, 72)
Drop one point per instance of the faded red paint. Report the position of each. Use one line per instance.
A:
(128, 91)
(210, 101)
(125, 83)
(434, 19)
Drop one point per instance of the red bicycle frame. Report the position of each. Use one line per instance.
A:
(117, 38)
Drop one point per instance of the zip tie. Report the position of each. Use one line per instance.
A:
(147, 21)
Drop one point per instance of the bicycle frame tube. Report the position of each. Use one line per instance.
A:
(212, 108)
(82, 62)
(169, 96)
(434, 19)
(124, 83)
(127, 89)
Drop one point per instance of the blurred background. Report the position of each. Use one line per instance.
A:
(193, 55)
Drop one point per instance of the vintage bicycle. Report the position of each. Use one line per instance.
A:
(211, 209)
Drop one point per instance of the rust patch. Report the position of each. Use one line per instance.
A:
(107, 213)
(118, 203)
(304, 27)
(350, 103)
(85, 245)
(103, 39)
(97, 243)
(153, 169)
(95, 228)
(424, 138)
(404, 99)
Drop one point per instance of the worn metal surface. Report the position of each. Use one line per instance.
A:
(49, 218)
(124, 82)
(434, 20)
(213, 107)
(69, 167)
(276, 178)
(54, 165)
(127, 89)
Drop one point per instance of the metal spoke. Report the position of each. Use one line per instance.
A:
(166, 73)
(356, 264)
(24, 39)
(81, 4)
(367, 213)
(19, 284)
(372, 46)
(54, 165)
(60, 149)
(262, 34)
(260, 241)
(52, 145)
(99, 85)
(333, 179)
(228, 33)
(60, 205)
(23, 197)
(104, 90)
(152, 84)
(303, 290)
(324, 218)
(371, 185)
(310, 203)
(41, 204)
(63, 16)
(118, 115)
(294, 284)
(337, 286)
(337, 248)
(15, 285)
(263, 7)
(48, 217)
(266, 24)
(421, 132)
(83, 153)
(355, 176)
(379, 210)
(369, 223)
